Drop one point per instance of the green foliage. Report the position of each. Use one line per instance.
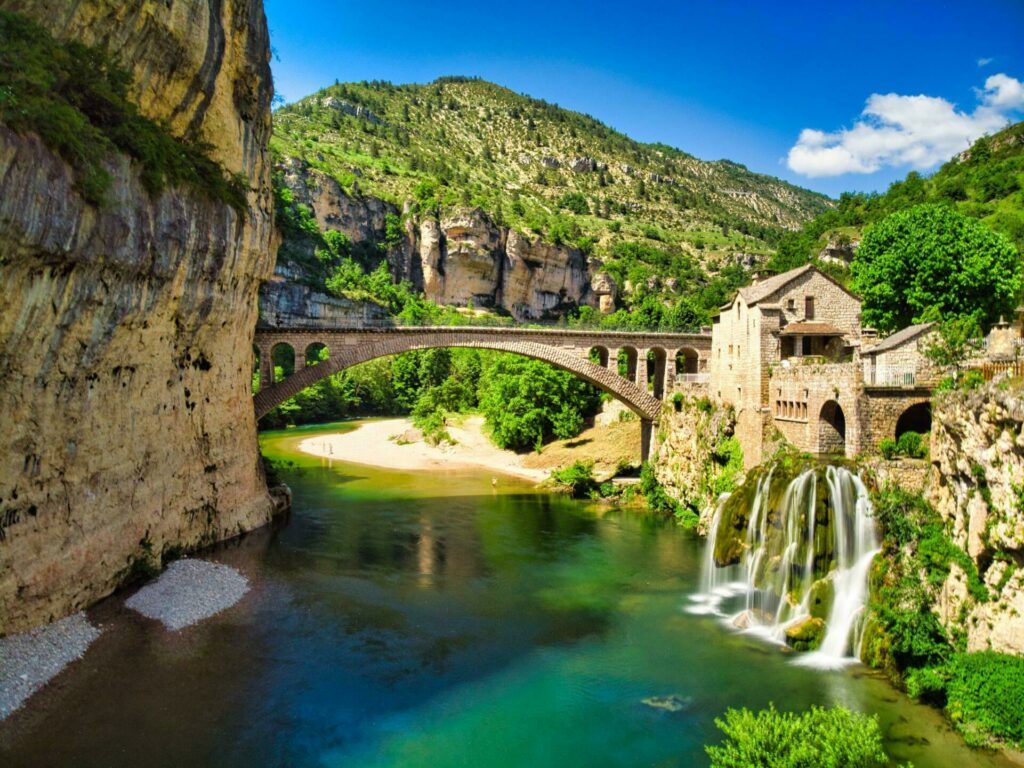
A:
(527, 402)
(932, 259)
(574, 202)
(75, 97)
(817, 738)
(655, 496)
(577, 478)
(888, 447)
(985, 696)
(728, 455)
(910, 444)
(957, 338)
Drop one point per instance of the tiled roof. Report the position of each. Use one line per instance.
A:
(898, 338)
(810, 328)
(765, 288)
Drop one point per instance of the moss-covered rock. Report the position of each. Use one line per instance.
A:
(822, 596)
(806, 634)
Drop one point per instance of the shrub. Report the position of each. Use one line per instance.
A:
(654, 493)
(985, 696)
(577, 478)
(910, 444)
(820, 737)
(888, 448)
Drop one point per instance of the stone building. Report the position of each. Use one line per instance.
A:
(788, 353)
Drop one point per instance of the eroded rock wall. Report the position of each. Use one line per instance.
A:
(977, 486)
(690, 462)
(461, 258)
(125, 331)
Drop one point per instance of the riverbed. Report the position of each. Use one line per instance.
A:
(403, 618)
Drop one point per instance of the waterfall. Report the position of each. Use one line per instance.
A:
(790, 562)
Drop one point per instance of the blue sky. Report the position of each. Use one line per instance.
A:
(777, 86)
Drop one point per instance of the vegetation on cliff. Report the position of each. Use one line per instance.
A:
(533, 165)
(75, 97)
(982, 693)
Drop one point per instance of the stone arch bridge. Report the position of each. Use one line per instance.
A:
(641, 389)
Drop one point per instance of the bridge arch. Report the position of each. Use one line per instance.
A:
(916, 418)
(687, 360)
(635, 398)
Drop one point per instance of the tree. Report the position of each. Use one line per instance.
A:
(930, 258)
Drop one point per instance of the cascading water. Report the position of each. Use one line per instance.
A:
(798, 553)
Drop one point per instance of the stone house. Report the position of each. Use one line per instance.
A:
(788, 353)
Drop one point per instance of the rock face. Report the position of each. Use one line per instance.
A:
(292, 305)
(461, 258)
(126, 331)
(687, 463)
(977, 486)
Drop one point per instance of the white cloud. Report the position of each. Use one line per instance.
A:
(984, 61)
(916, 131)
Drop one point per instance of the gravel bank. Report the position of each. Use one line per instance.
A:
(30, 660)
(189, 591)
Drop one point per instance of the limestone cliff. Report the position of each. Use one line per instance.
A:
(126, 330)
(697, 458)
(977, 486)
(460, 258)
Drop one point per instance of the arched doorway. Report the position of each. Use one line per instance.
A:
(282, 357)
(831, 429)
(916, 418)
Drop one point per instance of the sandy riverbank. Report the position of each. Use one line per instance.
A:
(381, 444)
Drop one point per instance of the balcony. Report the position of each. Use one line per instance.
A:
(890, 376)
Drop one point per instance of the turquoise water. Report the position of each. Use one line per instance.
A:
(404, 619)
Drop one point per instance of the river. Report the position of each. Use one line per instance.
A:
(432, 619)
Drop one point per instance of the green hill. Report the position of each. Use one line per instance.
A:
(533, 166)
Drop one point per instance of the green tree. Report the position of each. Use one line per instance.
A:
(930, 258)
(527, 402)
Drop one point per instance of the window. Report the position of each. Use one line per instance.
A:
(808, 308)
(806, 345)
(791, 305)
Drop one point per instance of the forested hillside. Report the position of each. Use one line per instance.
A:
(985, 182)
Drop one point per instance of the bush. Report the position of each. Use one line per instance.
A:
(577, 478)
(910, 444)
(820, 737)
(888, 448)
(654, 493)
(985, 696)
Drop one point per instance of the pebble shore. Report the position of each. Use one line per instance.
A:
(189, 591)
(30, 660)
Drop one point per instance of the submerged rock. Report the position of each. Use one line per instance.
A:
(670, 703)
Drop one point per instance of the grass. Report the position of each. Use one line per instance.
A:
(75, 98)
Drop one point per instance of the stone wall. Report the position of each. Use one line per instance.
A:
(127, 330)
(798, 395)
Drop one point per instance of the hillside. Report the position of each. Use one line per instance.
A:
(534, 185)
(985, 182)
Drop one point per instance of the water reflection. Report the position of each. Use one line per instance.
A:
(428, 620)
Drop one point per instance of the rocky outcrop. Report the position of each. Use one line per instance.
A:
(461, 258)
(126, 330)
(605, 291)
(288, 304)
(692, 461)
(840, 249)
(977, 486)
